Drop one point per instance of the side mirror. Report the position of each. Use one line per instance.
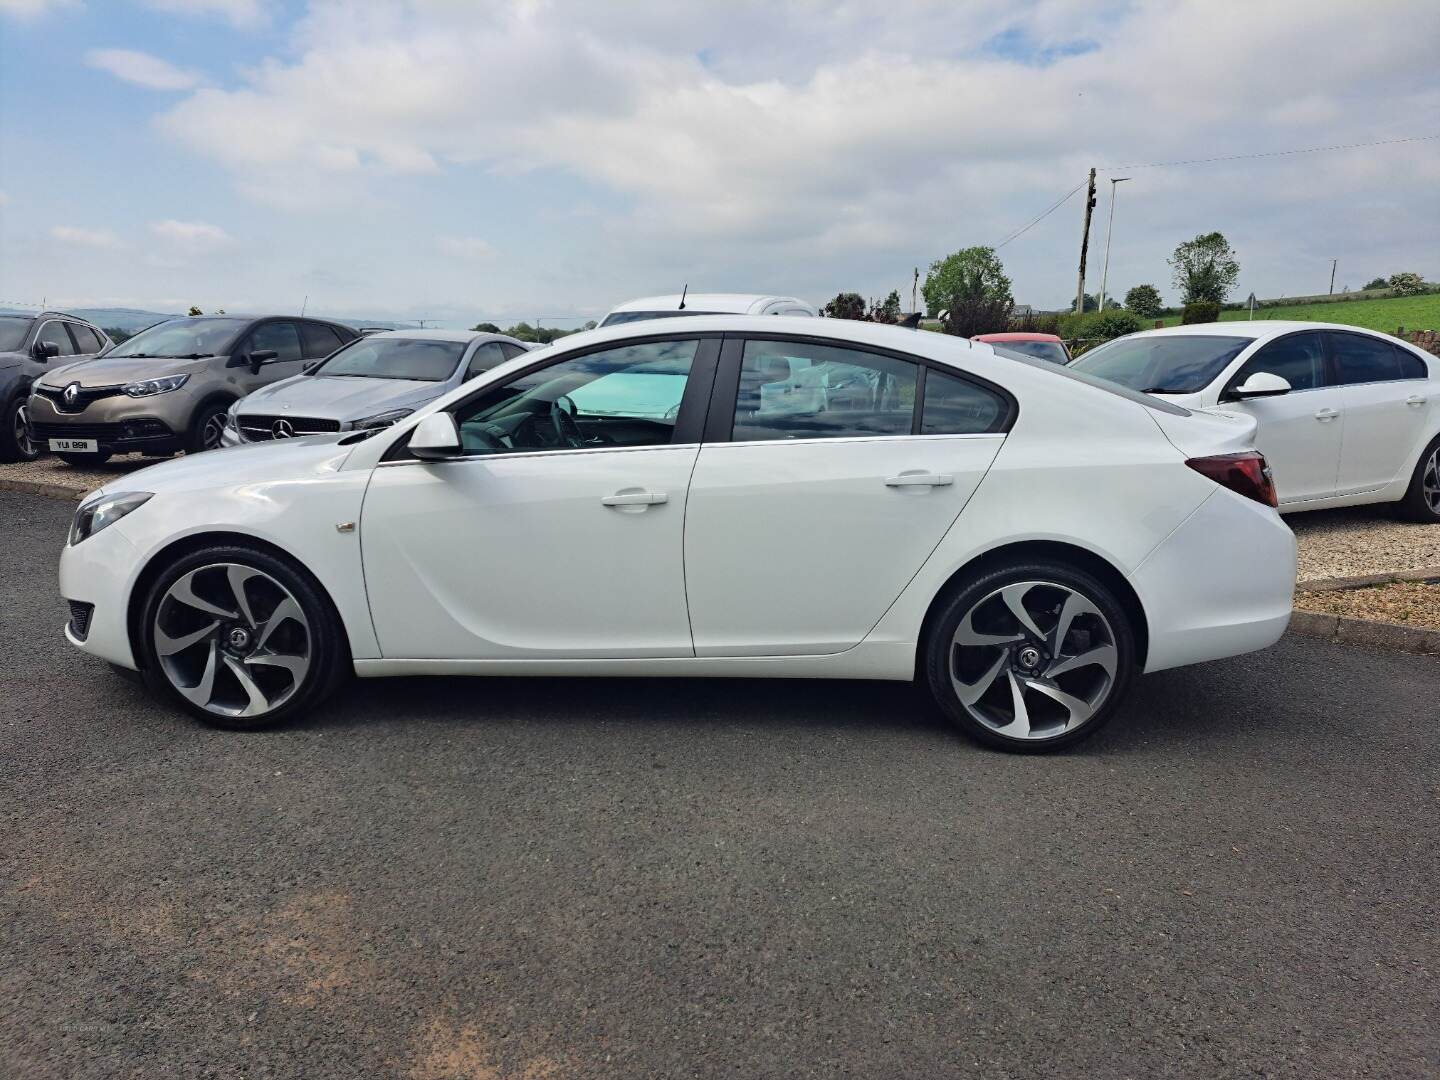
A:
(1261, 384)
(435, 438)
(261, 356)
(45, 350)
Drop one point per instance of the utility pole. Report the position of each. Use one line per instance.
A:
(914, 286)
(1105, 274)
(1085, 244)
(1333, 263)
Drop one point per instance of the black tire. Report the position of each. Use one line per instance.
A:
(206, 427)
(997, 665)
(328, 650)
(80, 461)
(16, 442)
(1422, 499)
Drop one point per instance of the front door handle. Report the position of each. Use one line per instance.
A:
(920, 479)
(636, 498)
(1324, 415)
(1415, 399)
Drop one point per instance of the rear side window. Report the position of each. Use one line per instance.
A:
(278, 336)
(54, 333)
(511, 351)
(484, 358)
(1299, 359)
(1411, 366)
(793, 390)
(957, 407)
(320, 340)
(85, 339)
(1362, 359)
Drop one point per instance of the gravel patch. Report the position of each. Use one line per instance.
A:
(53, 471)
(1361, 540)
(1408, 603)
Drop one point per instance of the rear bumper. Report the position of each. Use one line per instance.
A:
(1222, 584)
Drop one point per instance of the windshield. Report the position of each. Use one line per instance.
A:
(395, 358)
(615, 318)
(181, 338)
(1163, 364)
(12, 333)
(1041, 350)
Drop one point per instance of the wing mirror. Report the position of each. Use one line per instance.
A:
(1261, 384)
(435, 438)
(261, 357)
(44, 350)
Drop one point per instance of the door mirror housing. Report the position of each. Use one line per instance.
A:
(436, 438)
(1261, 384)
(261, 357)
(44, 350)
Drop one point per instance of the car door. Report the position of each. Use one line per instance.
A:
(1300, 433)
(828, 475)
(1386, 409)
(281, 337)
(487, 354)
(558, 531)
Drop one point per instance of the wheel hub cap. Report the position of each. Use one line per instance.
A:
(1028, 658)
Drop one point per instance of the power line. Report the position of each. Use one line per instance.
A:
(1269, 153)
(1042, 216)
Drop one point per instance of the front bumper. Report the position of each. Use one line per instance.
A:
(119, 425)
(98, 571)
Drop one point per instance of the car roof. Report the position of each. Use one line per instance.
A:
(1254, 328)
(1017, 336)
(736, 303)
(445, 335)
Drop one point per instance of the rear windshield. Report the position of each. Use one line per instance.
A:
(615, 318)
(1163, 364)
(395, 358)
(185, 337)
(1041, 350)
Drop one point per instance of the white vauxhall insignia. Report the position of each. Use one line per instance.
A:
(738, 495)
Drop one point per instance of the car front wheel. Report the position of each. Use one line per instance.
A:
(16, 442)
(1031, 658)
(240, 638)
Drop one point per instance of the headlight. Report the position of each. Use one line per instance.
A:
(103, 512)
(151, 387)
(381, 420)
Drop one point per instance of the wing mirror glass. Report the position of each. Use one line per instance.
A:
(1261, 384)
(44, 350)
(435, 438)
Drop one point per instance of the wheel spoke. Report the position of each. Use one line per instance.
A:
(1019, 726)
(1014, 596)
(258, 702)
(1102, 656)
(204, 690)
(969, 693)
(183, 591)
(296, 665)
(237, 576)
(166, 645)
(969, 636)
(1074, 606)
(1079, 709)
(286, 609)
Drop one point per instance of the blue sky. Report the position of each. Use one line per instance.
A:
(414, 158)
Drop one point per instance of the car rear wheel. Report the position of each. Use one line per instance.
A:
(82, 460)
(16, 442)
(240, 638)
(1031, 658)
(1422, 500)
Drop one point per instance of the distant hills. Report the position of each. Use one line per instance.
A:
(134, 319)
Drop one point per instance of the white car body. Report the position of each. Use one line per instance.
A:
(806, 557)
(678, 304)
(1331, 445)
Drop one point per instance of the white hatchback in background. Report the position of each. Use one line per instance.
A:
(719, 496)
(1345, 416)
(669, 307)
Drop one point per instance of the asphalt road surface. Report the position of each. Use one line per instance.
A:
(525, 878)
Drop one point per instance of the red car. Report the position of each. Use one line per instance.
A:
(1041, 346)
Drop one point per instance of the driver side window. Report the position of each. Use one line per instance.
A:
(1296, 358)
(624, 397)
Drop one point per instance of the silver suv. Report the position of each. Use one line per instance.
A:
(28, 345)
(168, 387)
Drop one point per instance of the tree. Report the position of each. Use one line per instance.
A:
(485, 328)
(846, 305)
(116, 334)
(975, 273)
(1205, 268)
(590, 324)
(1407, 284)
(1376, 283)
(195, 311)
(1144, 300)
(887, 312)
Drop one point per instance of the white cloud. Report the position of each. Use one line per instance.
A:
(190, 235)
(4, 198)
(465, 247)
(142, 69)
(242, 13)
(29, 9)
(94, 238)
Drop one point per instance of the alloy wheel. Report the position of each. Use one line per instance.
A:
(1430, 483)
(211, 433)
(232, 640)
(24, 443)
(1033, 660)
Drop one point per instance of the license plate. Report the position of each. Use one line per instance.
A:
(74, 446)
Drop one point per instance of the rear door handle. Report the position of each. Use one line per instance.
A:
(636, 498)
(1326, 414)
(1415, 399)
(920, 479)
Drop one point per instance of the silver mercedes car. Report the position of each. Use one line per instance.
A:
(370, 383)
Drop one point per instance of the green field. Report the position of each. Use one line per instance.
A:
(1411, 312)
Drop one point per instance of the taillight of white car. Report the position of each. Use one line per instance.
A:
(1245, 474)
